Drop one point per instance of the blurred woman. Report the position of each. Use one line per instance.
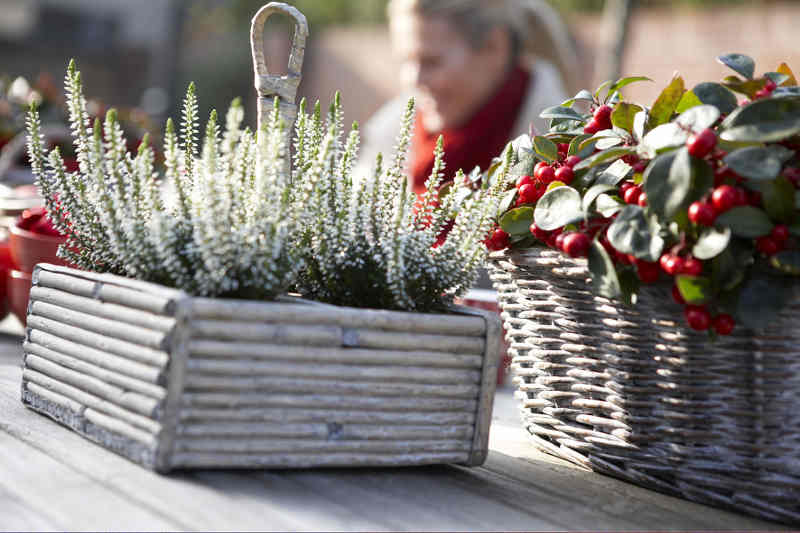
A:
(469, 65)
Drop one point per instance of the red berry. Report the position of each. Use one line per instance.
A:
(741, 196)
(698, 317)
(701, 144)
(539, 233)
(624, 186)
(724, 324)
(528, 194)
(647, 271)
(780, 232)
(577, 244)
(565, 175)
(671, 264)
(640, 166)
(501, 239)
(642, 199)
(631, 196)
(547, 174)
(724, 198)
(677, 296)
(572, 160)
(792, 174)
(761, 93)
(603, 116)
(768, 245)
(538, 168)
(691, 267)
(563, 148)
(524, 180)
(559, 242)
(770, 85)
(701, 214)
(592, 127)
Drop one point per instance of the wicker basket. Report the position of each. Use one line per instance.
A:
(174, 381)
(632, 392)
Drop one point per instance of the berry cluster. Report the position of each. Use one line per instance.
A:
(601, 120)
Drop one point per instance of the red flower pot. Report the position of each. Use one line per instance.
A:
(18, 287)
(29, 248)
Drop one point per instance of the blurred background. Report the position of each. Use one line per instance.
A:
(143, 54)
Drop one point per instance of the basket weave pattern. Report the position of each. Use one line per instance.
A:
(631, 392)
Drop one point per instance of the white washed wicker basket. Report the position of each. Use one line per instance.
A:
(175, 381)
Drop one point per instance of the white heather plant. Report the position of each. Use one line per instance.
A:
(371, 243)
(225, 230)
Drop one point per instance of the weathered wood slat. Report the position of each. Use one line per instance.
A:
(120, 428)
(71, 408)
(387, 374)
(195, 382)
(101, 309)
(235, 350)
(491, 364)
(324, 430)
(212, 308)
(281, 334)
(291, 446)
(282, 460)
(230, 400)
(125, 353)
(410, 341)
(114, 378)
(132, 401)
(195, 415)
(107, 288)
(90, 400)
(156, 340)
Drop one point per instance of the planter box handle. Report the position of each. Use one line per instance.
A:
(284, 87)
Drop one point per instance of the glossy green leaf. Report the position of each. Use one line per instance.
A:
(558, 207)
(694, 289)
(546, 148)
(711, 243)
(608, 141)
(667, 189)
(717, 95)
(666, 136)
(615, 173)
(777, 77)
(606, 84)
(561, 112)
(748, 88)
(508, 201)
(632, 233)
(687, 101)
(778, 199)
(746, 221)
(583, 95)
(524, 167)
(623, 82)
(761, 298)
(593, 192)
(623, 115)
(517, 221)
(603, 157)
(576, 148)
(666, 103)
(739, 63)
(698, 118)
(754, 162)
(639, 125)
(604, 276)
(767, 120)
(608, 205)
(787, 261)
(730, 266)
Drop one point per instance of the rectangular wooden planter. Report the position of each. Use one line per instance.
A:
(174, 381)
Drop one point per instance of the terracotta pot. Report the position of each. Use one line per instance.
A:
(18, 287)
(28, 248)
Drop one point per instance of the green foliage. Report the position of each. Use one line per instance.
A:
(719, 181)
(212, 225)
(372, 242)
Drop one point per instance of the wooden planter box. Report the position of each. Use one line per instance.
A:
(174, 381)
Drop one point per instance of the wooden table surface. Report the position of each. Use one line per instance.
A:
(53, 479)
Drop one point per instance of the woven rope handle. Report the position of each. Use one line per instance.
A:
(284, 87)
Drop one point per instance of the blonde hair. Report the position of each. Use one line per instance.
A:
(535, 27)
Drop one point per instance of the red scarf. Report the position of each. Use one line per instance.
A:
(475, 143)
